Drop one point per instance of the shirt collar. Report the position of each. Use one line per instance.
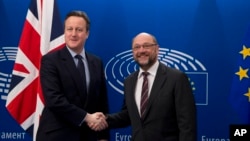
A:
(73, 54)
(152, 70)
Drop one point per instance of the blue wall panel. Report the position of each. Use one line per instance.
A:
(208, 31)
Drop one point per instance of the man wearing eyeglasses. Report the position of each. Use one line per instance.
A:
(167, 112)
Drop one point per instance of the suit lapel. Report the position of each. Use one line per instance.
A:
(92, 67)
(132, 84)
(71, 68)
(160, 79)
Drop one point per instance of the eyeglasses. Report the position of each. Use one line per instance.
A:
(144, 46)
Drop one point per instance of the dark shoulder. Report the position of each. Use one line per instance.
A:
(132, 76)
(94, 60)
(56, 53)
(171, 73)
(92, 56)
(163, 68)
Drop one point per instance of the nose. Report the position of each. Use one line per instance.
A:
(74, 32)
(141, 49)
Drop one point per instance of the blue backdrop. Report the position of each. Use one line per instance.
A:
(200, 37)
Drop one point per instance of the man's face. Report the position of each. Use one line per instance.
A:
(145, 50)
(75, 33)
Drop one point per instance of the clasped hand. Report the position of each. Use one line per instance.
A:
(96, 121)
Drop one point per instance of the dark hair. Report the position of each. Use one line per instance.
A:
(79, 14)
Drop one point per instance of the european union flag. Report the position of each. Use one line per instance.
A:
(240, 92)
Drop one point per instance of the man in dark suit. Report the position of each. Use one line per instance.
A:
(169, 113)
(73, 96)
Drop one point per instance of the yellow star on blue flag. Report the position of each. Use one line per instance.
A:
(240, 92)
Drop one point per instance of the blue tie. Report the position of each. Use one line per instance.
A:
(81, 69)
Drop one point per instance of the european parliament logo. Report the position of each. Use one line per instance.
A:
(120, 66)
(123, 64)
(7, 59)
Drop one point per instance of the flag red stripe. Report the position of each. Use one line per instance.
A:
(30, 44)
(20, 68)
(26, 103)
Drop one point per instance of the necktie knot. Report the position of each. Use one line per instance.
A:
(145, 74)
(78, 56)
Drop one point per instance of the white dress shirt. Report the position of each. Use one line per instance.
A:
(151, 77)
(84, 59)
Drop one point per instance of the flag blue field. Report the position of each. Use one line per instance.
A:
(240, 91)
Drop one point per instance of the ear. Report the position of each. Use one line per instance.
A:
(87, 36)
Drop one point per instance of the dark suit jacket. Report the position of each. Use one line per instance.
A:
(66, 102)
(171, 114)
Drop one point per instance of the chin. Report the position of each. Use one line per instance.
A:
(143, 63)
(73, 46)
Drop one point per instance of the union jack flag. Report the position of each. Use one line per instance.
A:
(42, 33)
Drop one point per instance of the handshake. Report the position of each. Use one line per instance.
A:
(96, 121)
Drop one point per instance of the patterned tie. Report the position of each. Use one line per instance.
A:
(144, 94)
(81, 69)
